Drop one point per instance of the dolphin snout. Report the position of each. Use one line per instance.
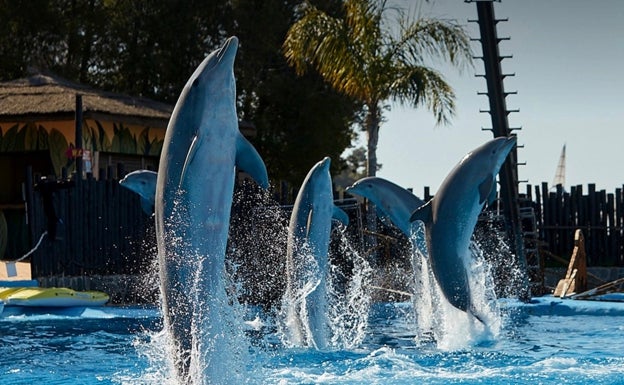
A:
(228, 51)
(507, 145)
(325, 163)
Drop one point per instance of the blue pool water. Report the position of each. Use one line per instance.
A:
(548, 341)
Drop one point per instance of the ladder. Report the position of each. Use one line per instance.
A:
(534, 262)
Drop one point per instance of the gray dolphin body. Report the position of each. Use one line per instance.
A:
(396, 202)
(308, 236)
(450, 217)
(194, 188)
(142, 182)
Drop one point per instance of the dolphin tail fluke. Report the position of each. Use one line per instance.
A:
(340, 215)
(249, 160)
(476, 314)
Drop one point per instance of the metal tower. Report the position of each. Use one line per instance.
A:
(508, 176)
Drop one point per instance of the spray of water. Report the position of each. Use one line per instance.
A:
(348, 298)
(344, 297)
(436, 318)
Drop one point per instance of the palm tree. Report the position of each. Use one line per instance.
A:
(375, 59)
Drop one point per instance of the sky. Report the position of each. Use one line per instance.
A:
(568, 60)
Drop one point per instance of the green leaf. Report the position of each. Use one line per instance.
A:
(9, 139)
(42, 139)
(123, 141)
(31, 136)
(103, 143)
(144, 142)
(58, 147)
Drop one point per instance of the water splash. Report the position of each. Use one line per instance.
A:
(346, 297)
(350, 300)
(436, 319)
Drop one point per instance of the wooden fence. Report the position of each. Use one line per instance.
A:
(600, 215)
(101, 229)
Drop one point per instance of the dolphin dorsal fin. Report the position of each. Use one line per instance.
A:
(340, 215)
(484, 189)
(423, 213)
(248, 159)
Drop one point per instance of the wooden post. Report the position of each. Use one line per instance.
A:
(576, 277)
(78, 124)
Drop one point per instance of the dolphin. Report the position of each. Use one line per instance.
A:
(308, 236)
(142, 182)
(394, 201)
(451, 215)
(194, 188)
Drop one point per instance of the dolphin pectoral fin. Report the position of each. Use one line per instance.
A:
(340, 215)
(423, 213)
(484, 189)
(189, 157)
(248, 159)
(309, 224)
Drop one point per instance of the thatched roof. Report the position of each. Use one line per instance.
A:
(48, 97)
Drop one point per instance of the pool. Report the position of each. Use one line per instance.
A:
(547, 341)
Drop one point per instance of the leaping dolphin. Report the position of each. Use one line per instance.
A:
(142, 182)
(308, 236)
(194, 188)
(394, 201)
(451, 215)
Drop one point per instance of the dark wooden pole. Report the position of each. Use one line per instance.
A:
(78, 137)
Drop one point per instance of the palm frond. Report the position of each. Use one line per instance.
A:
(419, 85)
(434, 38)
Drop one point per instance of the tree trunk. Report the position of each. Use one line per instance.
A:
(372, 131)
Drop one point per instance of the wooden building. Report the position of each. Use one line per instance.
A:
(38, 128)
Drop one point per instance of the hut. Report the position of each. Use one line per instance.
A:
(63, 148)
(39, 129)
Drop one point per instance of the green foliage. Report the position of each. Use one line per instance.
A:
(42, 139)
(299, 120)
(147, 147)
(361, 58)
(102, 143)
(123, 141)
(150, 49)
(58, 146)
(9, 139)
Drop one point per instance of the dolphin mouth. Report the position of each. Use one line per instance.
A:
(325, 163)
(223, 57)
(228, 51)
(508, 144)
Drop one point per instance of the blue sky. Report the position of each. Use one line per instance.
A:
(568, 57)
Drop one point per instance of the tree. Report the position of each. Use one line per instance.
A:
(368, 57)
(299, 120)
(150, 49)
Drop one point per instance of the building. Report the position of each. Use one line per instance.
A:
(38, 128)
